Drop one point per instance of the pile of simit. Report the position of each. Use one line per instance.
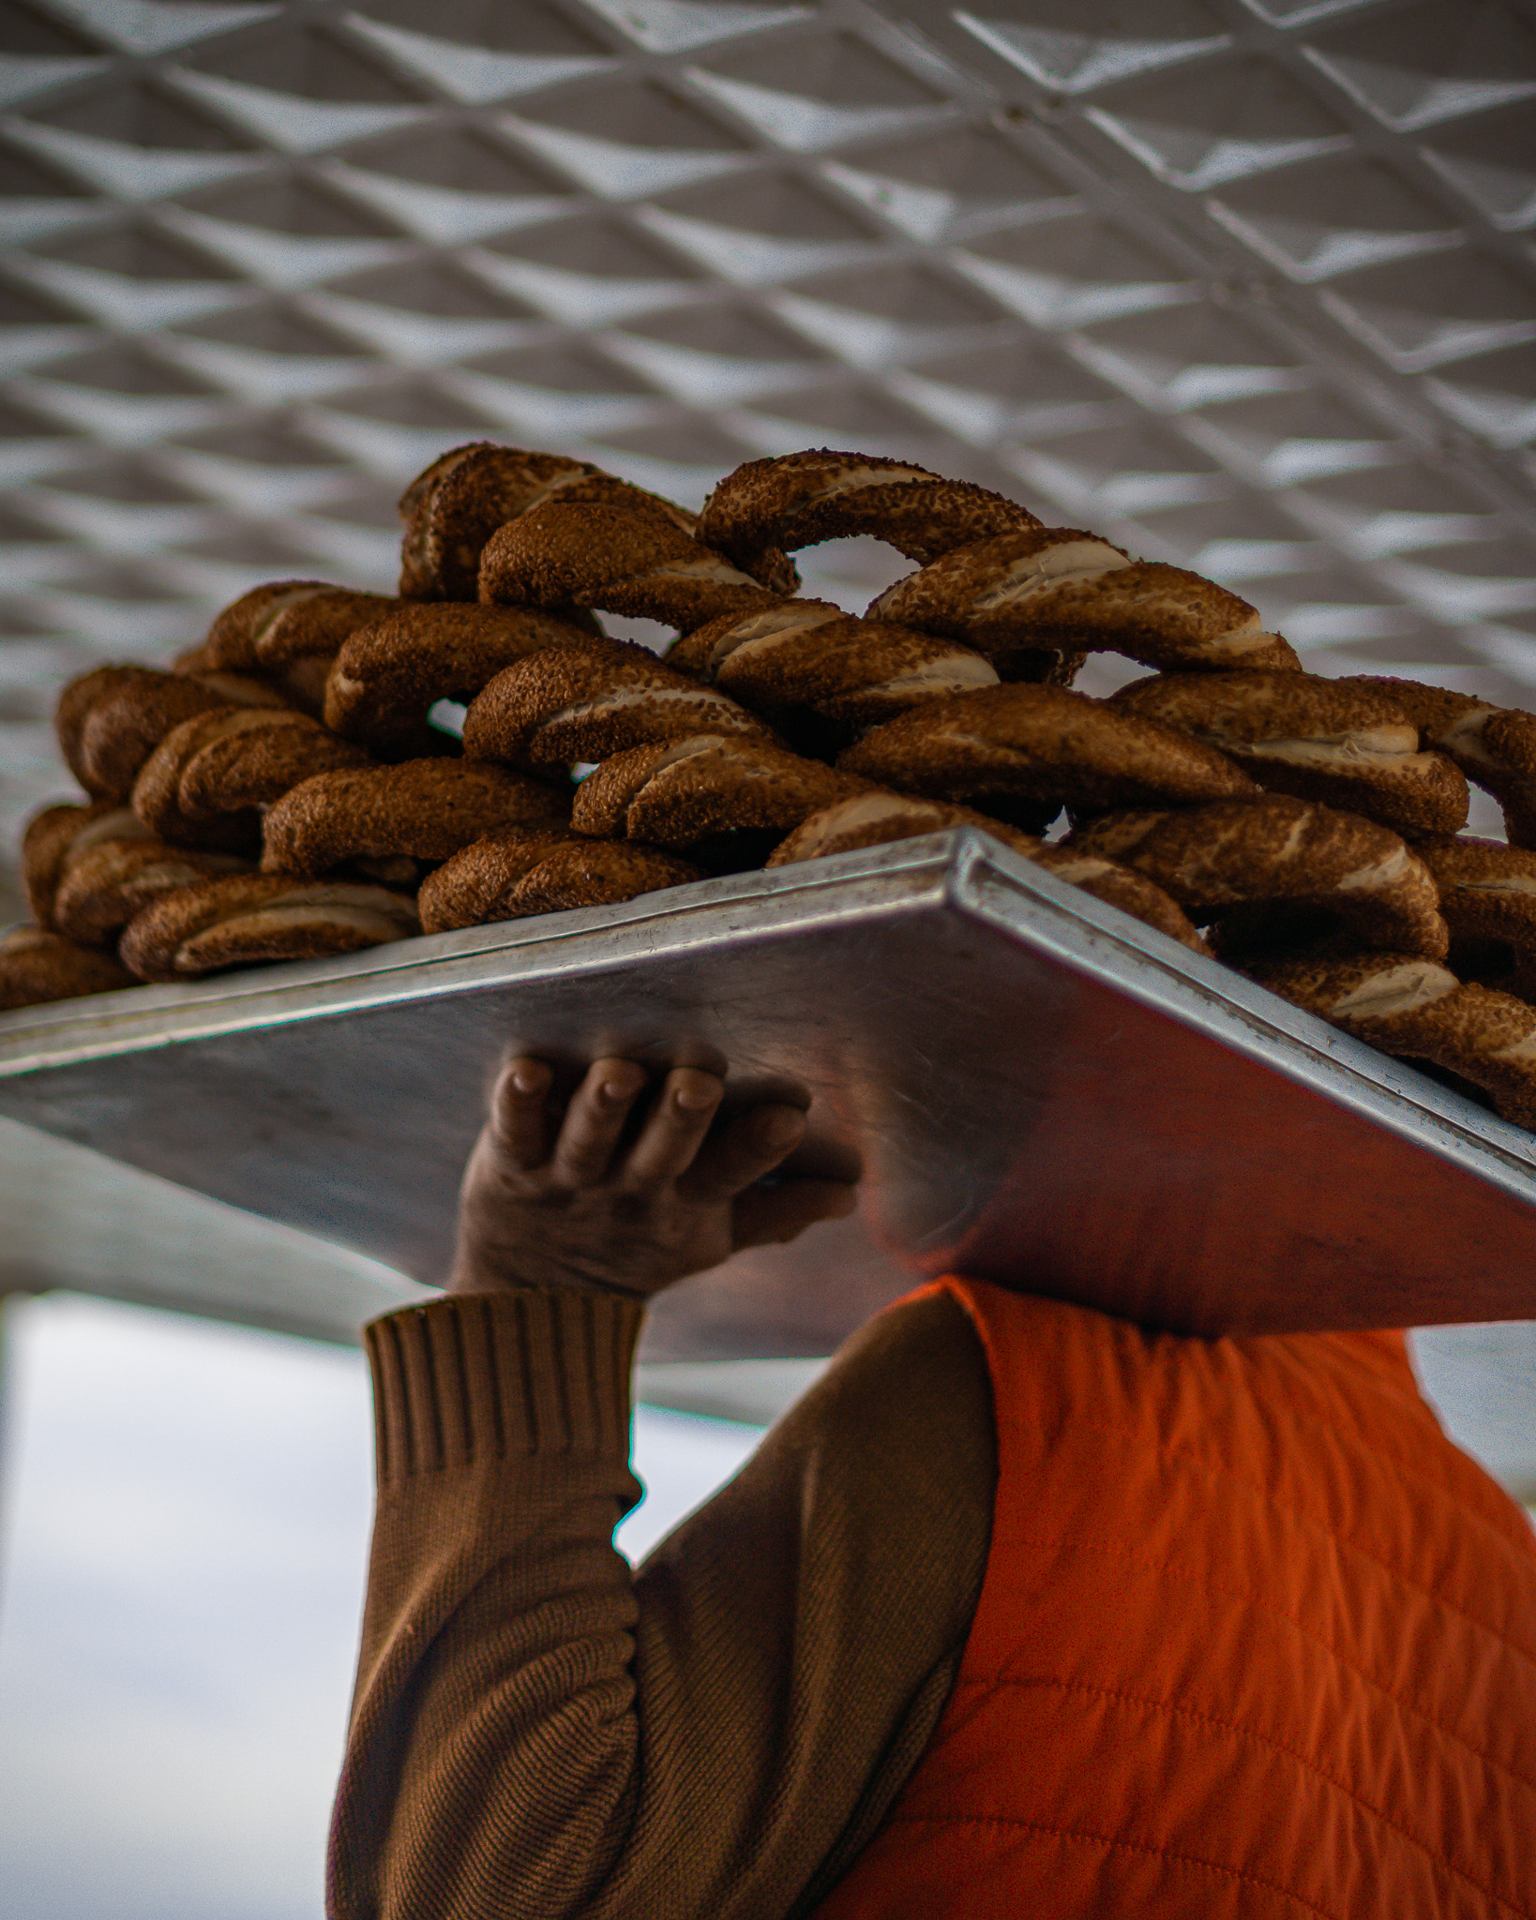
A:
(280, 792)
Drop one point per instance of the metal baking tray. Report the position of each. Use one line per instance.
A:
(1044, 1092)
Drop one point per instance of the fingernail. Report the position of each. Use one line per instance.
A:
(696, 1098)
(528, 1079)
(613, 1091)
(783, 1129)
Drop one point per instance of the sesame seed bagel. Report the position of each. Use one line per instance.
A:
(285, 621)
(808, 656)
(208, 779)
(707, 789)
(106, 884)
(452, 509)
(418, 810)
(802, 499)
(509, 876)
(109, 721)
(1060, 588)
(615, 558)
(1348, 746)
(1275, 849)
(253, 919)
(1487, 890)
(875, 819)
(387, 675)
(1495, 747)
(1026, 751)
(1408, 1006)
(564, 706)
(37, 966)
(58, 836)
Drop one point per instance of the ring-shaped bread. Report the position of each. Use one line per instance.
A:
(110, 720)
(208, 780)
(877, 818)
(37, 966)
(1495, 747)
(615, 558)
(253, 919)
(796, 500)
(1347, 745)
(388, 675)
(108, 884)
(1026, 751)
(1415, 1009)
(725, 799)
(808, 657)
(1060, 589)
(57, 836)
(1274, 850)
(509, 876)
(393, 818)
(452, 508)
(564, 707)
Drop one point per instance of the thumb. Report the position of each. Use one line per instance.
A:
(766, 1216)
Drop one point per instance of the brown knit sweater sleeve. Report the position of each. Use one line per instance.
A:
(539, 1733)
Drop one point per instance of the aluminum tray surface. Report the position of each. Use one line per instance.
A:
(1044, 1092)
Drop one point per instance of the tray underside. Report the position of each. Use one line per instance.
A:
(1043, 1091)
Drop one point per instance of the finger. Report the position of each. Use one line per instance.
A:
(519, 1122)
(742, 1149)
(593, 1122)
(684, 1111)
(768, 1216)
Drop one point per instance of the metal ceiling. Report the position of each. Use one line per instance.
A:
(1244, 283)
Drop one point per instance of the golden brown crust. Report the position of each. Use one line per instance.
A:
(1041, 748)
(1417, 1010)
(285, 621)
(206, 782)
(389, 674)
(109, 721)
(1487, 890)
(808, 656)
(59, 835)
(1495, 747)
(876, 818)
(564, 706)
(37, 966)
(614, 558)
(798, 500)
(691, 792)
(1348, 746)
(105, 885)
(251, 919)
(1065, 589)
(1273, 849)
(509, 876)
(419, 810)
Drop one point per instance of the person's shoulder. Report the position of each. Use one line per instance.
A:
(913, 1377)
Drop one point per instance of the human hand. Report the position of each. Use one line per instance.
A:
(595, 1199)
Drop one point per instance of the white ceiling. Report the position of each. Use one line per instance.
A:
(1243, 283)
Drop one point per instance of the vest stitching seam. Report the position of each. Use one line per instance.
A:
(1216, 1465)
(1178, 1708)
(1279, 1613)
(1108, 1840)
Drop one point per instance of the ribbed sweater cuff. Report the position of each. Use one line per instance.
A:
(480, 1376)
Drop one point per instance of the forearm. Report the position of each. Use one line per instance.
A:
(491, 1757)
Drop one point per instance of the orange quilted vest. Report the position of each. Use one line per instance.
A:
(1254, 1640)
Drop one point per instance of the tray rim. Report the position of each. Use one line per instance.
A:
(964, 870)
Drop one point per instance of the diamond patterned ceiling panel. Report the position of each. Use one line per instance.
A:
(1244, 283)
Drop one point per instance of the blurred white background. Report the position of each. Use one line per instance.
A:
(182, 1543)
